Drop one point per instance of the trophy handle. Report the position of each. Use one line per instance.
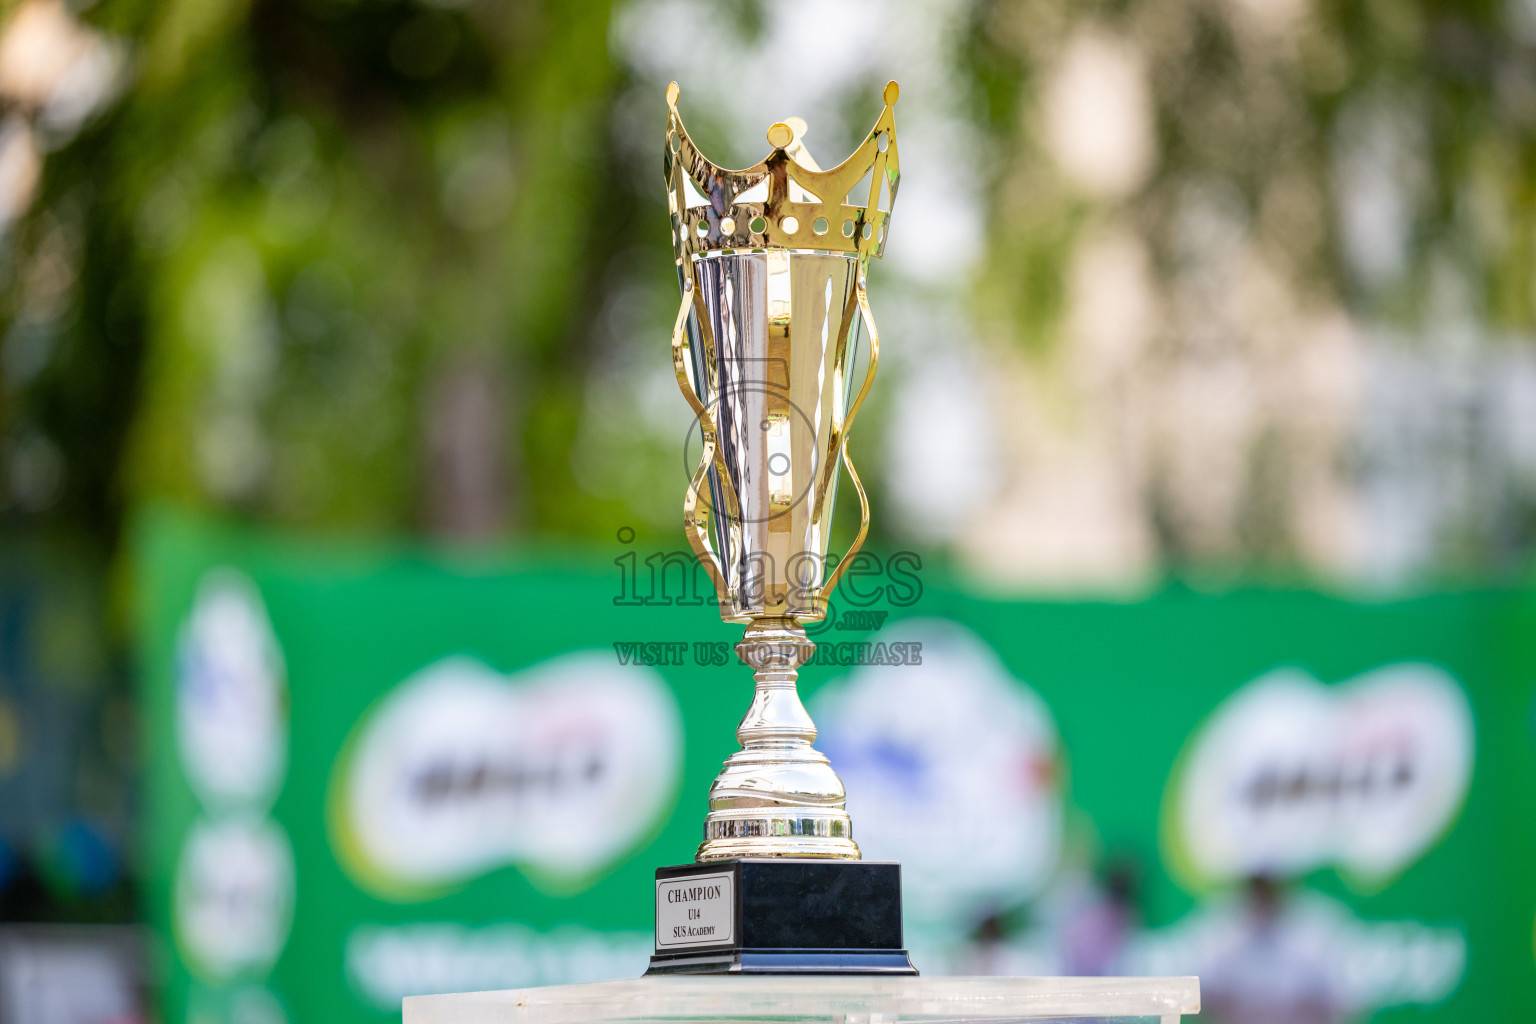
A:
(694, 525)
(830, 587)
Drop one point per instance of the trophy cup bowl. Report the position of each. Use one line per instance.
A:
(772, 262)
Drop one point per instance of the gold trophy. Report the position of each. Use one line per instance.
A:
(772, 261)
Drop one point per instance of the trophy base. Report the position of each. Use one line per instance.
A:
(780, 915)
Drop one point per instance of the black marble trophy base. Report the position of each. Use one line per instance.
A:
(780, 916)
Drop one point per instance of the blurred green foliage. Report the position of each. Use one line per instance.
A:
(299, 219)
(377, 263)
(1269, 103)
(1360, 167)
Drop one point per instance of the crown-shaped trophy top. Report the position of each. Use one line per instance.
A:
(786, 201)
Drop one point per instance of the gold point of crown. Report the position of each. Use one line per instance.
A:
(785, 201)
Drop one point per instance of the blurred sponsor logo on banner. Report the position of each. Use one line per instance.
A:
(561, 769)
(234, 896)
(1288, 775)
(231, 698)
(234, 888)
(949, 762)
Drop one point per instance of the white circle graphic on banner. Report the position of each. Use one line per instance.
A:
(952, 768)
(231, 698)
(234, 896)
(1288, 775)
(561, 769)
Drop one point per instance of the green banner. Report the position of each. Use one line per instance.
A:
(376, 771)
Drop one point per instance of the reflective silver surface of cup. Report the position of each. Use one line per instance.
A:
(786, 335)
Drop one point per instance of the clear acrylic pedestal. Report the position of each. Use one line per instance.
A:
(839, 999)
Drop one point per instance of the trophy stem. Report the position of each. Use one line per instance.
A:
(778, 796)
